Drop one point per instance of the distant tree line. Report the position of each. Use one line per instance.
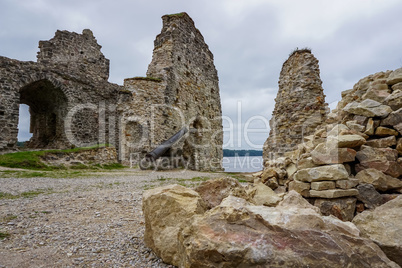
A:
(229, 153)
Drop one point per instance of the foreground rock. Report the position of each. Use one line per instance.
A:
(384, 226)
(239, 234)
(165, 210)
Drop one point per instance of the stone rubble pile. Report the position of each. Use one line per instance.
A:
(354, 161)
(224, 224)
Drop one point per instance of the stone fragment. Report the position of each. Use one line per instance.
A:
(214, 191)
(397, 86)
(383, 225)
(394, 100)
(350, 141)
(369, 196)
(166, 210)
(395, 77)
(306, 163)
(369, 108)
(269, 173)
(378, 93)
(324, 154)
(382, 143)
(370, 127)
(342, 208)
(322, 185)
(393, 118)
(355, 126)
(378, 179)
(370, 154)
(291, 169)
(384, 131)
(293, 234)
(335, 193)
(302, 188)
(399, 146)
(399, 128)
(336, 130)
(347, 184)
(262, 195)
(322, 173)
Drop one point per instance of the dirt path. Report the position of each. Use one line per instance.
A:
(85, 222)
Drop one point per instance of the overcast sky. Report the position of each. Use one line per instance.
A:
(250, 40)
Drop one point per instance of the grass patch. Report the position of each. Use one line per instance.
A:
(8, 218)
(28, 194)
(112, 166)
(4, 235)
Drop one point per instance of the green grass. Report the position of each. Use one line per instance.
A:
(28, 194)
(4, 235)
(32, 160)
(8, 218)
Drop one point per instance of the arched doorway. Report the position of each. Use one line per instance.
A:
(47, 107)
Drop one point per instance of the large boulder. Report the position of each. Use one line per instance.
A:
(293, 234)
(214, 191)
(378, 179)
(383, 225)
(368, 108)
(322, 173)
(165, 211)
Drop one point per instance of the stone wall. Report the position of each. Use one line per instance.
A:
(300, 104)
(180, 90)
(70, 101)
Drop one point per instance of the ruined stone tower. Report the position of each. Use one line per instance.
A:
(300, 104)
(67, 93)
(180, 90)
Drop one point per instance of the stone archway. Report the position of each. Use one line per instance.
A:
(47, 107)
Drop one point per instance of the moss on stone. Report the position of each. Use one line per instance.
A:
(147, 78)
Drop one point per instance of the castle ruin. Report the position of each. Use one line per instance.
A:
(72, 104)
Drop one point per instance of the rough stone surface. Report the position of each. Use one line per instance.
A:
(395, 99)
(384, 131)
(347, 184)
(214, 191)
(324, 153)
(322, 185)
(393, 118)
(322, 173)
(395, 77)
(350, 141)
(302, 188)
(335, 193)
(342, 208)
(382, 143)
(369, 196)
(262, 195)
(300, 104)
(67, 92)
(181, 90)
(383, 226)
(165, 210)
(293, 234)
(378, 179)
(369, 108)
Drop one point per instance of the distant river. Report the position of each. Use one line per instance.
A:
(242, 163)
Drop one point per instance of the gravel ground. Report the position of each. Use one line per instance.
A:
(84, 222)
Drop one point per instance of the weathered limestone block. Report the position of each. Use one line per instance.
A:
(262, 195)
(395, 77)
(347, 184)
(393, 118)
(369, 108)
(342, 208)
(384, 131)
(322, 185)
(378, 179)
(370, 127)
(306, 163)
(354, 125)
(350, 141)
(335, 193)
(326, 154)
(166, 210)
(300, 106)
(370, 154)
(395, 99)
(369, 196)
(382, 143)
(399, 146)
(378, 93)
(322, 173)
(214, 191)
(250, 236)
(383, 225)
(302, 188)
